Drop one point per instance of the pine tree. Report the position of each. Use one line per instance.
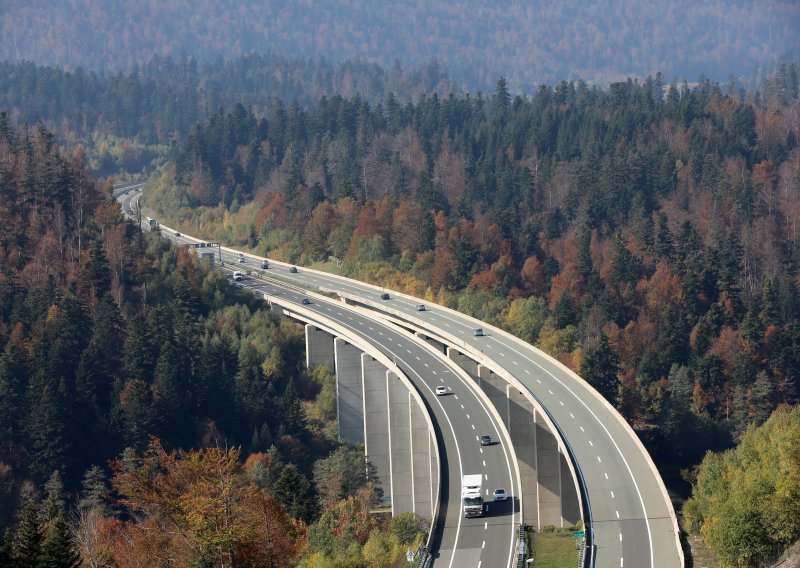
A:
(293, 492)
(600, 368)
(98, 273)
(46, 426)
(52, 507)
(663, 242)
(58, 548)
(762, 398)
(293, 419)
(501, 95)
(29, 538)
(94, 488)
(169, 397)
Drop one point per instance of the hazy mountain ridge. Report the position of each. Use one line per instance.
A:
(529, 43)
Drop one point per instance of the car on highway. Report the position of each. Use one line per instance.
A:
(421, 308)
(238, 276)
(440, 390)
(177, 233)
(486, 441)
(500, 495)
(241, 257)
(384, 296)
(306, 301)
(293, 270)
(264, 264)
(478, 332)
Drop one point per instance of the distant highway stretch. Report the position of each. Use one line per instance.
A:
(462, 416)
(632, 520)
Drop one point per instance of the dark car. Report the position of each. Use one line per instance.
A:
(384, 296)
(293, 270)
(306, 301)
(421, 308)
(264, 264)
(478, 332)
(486, 441)
(177, 234)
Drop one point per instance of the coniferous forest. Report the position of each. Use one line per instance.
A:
(127, 370)
(645, 233)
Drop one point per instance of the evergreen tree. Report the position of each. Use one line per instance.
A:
(501, 95)
(46, 426)
(600, 368)
(93, 490)
(98, 273)
(52, 507)
(762, 398)
(293, 492)
(663, 243)
(29, 539)
(58, 548)
(169, 397)
(624, 266)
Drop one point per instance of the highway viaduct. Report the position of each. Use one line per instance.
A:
(573, 455)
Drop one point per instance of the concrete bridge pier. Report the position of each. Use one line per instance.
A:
(349, 392)
(375, 408)
(319, 347)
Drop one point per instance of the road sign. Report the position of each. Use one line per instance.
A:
(579, 534)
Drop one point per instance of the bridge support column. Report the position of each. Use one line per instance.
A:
(349, 392)
(495, 388)
(319, 347)
(523, 436)
(440, 347)
(400, 439)
(377, 434)
(463, 361)
(570, 506)
(424, 468)
(548, 465)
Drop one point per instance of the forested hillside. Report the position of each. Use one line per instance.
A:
(529, 42)
(108, 338)
(161, 99)
(651, 243)
(746, 501)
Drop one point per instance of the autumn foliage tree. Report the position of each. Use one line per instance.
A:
(197, 507)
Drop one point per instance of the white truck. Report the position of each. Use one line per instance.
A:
(471, 494)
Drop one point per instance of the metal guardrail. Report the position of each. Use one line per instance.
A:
(422, 558)
(522, 547)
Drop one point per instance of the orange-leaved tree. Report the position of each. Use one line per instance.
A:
(197, 507)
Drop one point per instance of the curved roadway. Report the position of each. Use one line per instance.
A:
(460, 417)
(632, 517)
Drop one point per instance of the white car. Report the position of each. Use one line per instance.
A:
(500, 495)
(241, 257)
(440, 390)
(238, 276)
